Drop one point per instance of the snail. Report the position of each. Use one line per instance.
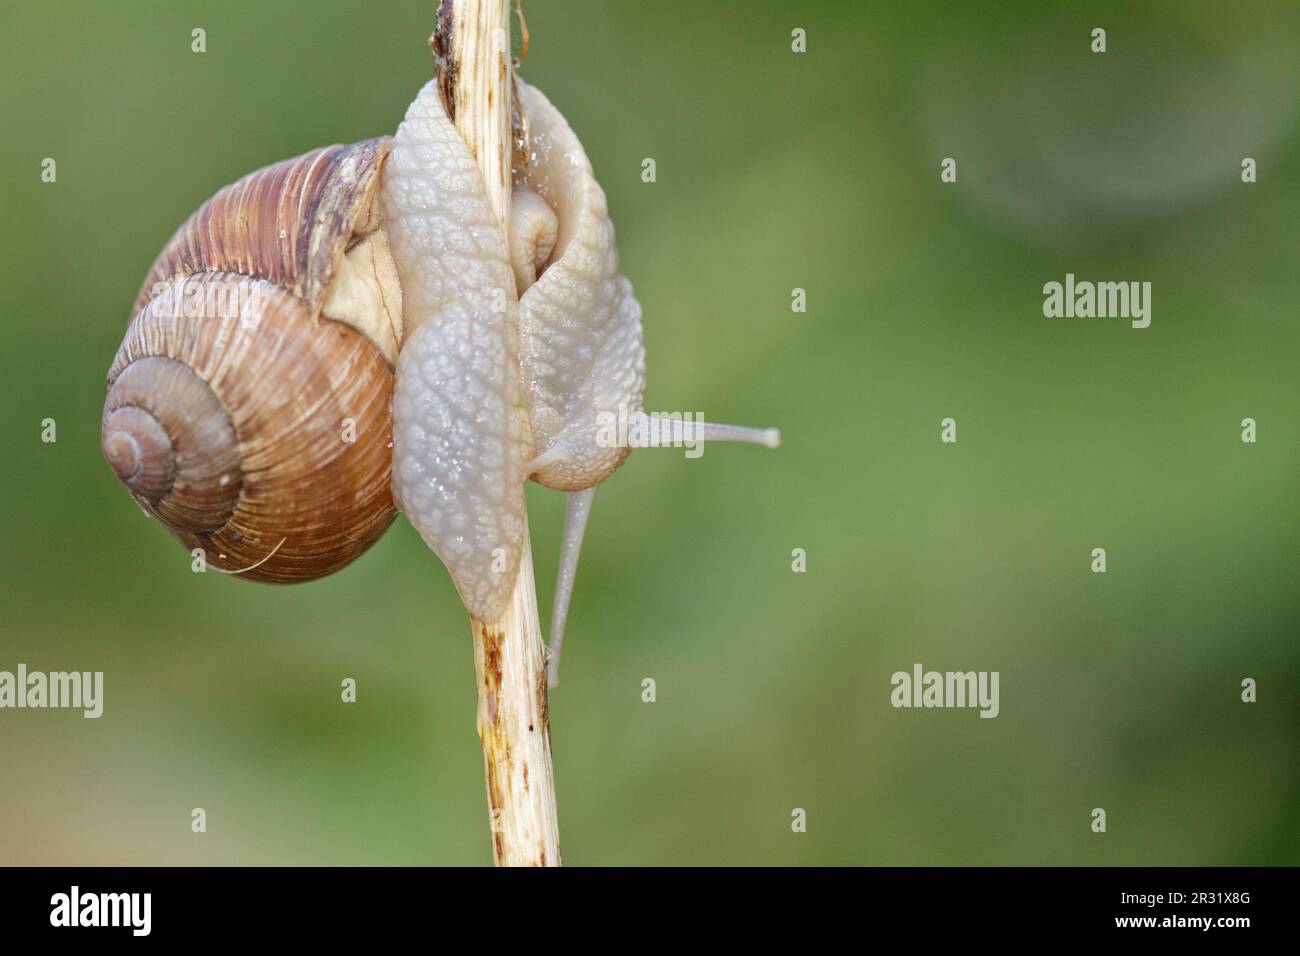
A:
(349, 333)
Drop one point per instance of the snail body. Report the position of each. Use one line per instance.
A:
(468, 358)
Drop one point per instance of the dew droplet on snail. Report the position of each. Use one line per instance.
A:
(348, 333)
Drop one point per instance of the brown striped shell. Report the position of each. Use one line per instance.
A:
(241, 417)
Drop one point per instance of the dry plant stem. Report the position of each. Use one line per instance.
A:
(473, 43)
(513, 725)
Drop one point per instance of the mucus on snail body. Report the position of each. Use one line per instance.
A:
(387, 347)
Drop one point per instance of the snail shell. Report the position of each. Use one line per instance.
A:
(233, 397)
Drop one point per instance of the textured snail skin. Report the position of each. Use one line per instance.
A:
(492, 386)
(533, 231)
(580, 327)
(461, 439)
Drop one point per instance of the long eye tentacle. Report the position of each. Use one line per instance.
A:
(677, 431)
(576, 512)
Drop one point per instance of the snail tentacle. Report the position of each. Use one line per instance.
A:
(577, 510)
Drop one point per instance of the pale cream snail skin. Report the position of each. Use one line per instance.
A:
(383, 275)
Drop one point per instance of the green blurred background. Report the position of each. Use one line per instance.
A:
(775, 171)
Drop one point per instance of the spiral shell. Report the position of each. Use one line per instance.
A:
(242, 417)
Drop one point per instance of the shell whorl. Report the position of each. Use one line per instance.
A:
(139, 450)
(192, 482)
(289, 223)
(238, 414)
